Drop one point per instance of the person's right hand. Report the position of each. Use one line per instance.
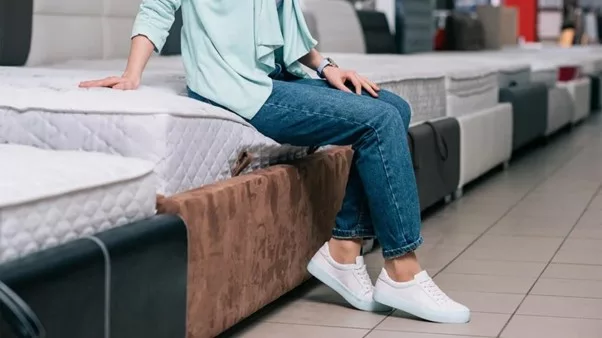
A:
(115, 82)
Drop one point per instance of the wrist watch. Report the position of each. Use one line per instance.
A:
(327, 62)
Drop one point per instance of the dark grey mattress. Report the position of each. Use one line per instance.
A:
(415, 26)
(16, 18)
(435, 150)
(133, 277)
(530, 112)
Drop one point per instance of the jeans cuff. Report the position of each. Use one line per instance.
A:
(352, 234)
(398, 252)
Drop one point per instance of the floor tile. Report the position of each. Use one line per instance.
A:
(275, 330)
(496, 268)
(568, 288)
(580, 251)
(551, 327)
(573, 271)
(511, 248)
(481, 324)
(453, 240)
(310, 312)
(567, 307)
(531, 226)
(487, 302)
(483, 283)
(393, 334)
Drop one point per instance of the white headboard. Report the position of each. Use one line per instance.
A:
(71, 29)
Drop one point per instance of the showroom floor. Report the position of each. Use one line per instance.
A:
(523, 249)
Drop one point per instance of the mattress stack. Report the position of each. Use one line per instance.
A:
(190, 143)
(73, 227)
(48, 198)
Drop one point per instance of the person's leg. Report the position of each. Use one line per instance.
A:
(353, 222)
(305, 115)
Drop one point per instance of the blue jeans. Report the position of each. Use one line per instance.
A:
(381, 197)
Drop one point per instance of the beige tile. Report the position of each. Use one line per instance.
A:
(310, 312)
(435, 239)
(549, 306)
(275, 330)
(393, 334)
(483, 283)
(481, 324)
(568, 288)
(545, 214)
(580, 251)
(531, 226)
(550, 327)
(577, 257)
(511, 248)
(586, 233)
(496, 268)
(458, 223)
(487, 302)
(573, 271)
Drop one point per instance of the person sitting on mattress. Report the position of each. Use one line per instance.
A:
(247, 57)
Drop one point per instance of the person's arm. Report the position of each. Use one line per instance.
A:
(149, 34)
(338, 77)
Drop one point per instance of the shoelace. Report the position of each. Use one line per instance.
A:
(364, 278)
(435, 292)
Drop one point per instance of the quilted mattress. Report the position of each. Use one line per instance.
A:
(468, 88)
(485, 141)
(580, 91)
(51, 197)
(190, 143)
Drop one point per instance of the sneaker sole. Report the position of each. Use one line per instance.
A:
(432, 316)
(334, 284)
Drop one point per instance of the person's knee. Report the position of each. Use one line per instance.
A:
(388, 117)
(401, 105)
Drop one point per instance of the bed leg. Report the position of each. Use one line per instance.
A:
(458, 193)
(506, 165)
(448, 199)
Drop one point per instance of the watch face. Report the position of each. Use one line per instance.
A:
(332, 63)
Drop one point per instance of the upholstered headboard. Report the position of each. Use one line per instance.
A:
(337, 25)
(37, 32)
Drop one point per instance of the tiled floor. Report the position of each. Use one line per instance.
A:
(523, 249)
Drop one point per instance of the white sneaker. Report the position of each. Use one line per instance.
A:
(420, 297)
(349, 280)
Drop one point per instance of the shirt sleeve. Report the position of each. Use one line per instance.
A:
(154, 20)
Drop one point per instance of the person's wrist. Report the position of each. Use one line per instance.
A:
(132, 76)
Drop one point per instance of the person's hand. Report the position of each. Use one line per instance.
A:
(338, 78)
(115, 82)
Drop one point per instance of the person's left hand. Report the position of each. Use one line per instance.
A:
(338, 78)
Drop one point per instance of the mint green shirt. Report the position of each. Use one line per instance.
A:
(228, 46)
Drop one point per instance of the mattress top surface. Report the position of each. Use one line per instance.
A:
(56, 90)
(30, 174)
(415, 65)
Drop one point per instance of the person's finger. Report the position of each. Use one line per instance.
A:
(373, 85)
(121, 86)
(368, 88)
(357, 84)
(340, 85)
(107, 82)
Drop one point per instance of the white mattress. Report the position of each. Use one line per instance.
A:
(51, 197)
(190, 143)
(580, 91)
(468, 88)
(485, 141)
(560, 109)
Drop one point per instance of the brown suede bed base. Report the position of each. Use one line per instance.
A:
(251, 237)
